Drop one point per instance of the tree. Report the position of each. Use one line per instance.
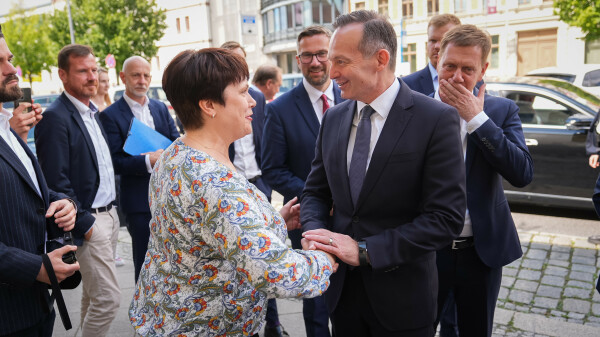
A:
(584, 14)
(27, 38)
(120, 27)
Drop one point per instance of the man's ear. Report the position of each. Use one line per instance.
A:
(483, 69)
(383, 59)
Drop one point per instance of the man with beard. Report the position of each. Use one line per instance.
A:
(135, 170)
(76, 160)
(27, 209)
(291, 127)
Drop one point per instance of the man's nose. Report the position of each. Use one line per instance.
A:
(457, 76)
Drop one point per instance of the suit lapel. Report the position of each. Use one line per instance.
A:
(342, 145)
(426, 75)
(306, 109)
(79, 121)
(393, 129)
(13, 160)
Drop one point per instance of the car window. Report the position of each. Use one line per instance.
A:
(591, 78)
(537, 109)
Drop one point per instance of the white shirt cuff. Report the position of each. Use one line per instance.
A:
(476, 122)
(148, 166)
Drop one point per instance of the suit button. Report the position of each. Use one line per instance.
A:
(355, 219)
(41, 211)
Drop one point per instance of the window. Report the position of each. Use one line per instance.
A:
(592, 51)
(591, 78)
(298, 14)
(359, 5)
(433, 7)
(524, 2)
(277, 18)
(327, 15)
(290, 16)
(409, 54)
(407, 8)
(460, 6)
(283, 15)
(187, 23)
(383, 7)
(178, 24)
(494, 57)
(316, 12)
(537, 109)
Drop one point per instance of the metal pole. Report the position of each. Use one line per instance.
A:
(70, 22)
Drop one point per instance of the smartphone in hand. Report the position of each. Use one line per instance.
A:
(25, 98)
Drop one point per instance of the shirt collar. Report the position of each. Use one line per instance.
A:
(79, 105)
(433, 71)
(6, 113)
(383, 104)
(314, 94)
(133, 103)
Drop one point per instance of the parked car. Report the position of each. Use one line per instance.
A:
(288, 81)
(585, 76)
(45, 100)
(155, 91)
(556, 116)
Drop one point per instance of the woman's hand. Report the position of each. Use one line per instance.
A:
(291, 214)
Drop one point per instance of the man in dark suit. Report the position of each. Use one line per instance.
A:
(135, 170)
(30, 213)
(76, 161)
(292, 126)
(425, 80)
(388, 165)
(494, 148)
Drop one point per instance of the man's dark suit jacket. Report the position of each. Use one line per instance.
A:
(68, 159)
(412, 203)
(258, 123)
(596, 200)
(23, 300)
(291, 131)
(420, 81)
(135, 178)
(495, 150)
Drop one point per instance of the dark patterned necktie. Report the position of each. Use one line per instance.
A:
(360, 153)
(325, 103)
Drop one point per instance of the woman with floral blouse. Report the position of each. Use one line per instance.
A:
(217, 247)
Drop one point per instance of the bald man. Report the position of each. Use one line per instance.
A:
(135, 170)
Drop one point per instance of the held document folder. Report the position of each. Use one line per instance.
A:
(142, 138)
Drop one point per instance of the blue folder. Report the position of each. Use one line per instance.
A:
(142, 138)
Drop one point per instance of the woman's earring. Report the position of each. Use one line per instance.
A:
(213, 116)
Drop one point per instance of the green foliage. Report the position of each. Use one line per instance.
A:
(119, 27)
(27, 38)
(584, 14)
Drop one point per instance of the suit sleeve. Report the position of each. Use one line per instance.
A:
(591, 142)
(18, 268)
(123, 163)
(503, 146)
(275, 167)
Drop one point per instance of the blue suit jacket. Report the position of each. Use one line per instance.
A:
(420, 81)
(290, 134)
(596, 200)
(135, 178)
(412, 203)
(68, 159)
(258, 123)
(495, 150)
(23, 300)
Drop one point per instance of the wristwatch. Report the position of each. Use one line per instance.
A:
(363, 254)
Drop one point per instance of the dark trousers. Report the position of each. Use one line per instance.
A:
(272, 316)
(42, 328)
(314, 310)
(448, 325)
(138, 225)
(475, 287)
(354, 316)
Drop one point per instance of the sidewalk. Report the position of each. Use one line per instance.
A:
(548, 292)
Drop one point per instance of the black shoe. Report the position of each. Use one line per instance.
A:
(277, 331)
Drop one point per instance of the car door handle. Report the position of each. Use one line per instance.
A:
(531, 142)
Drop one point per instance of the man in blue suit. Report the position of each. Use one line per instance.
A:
(425, 80)
(135, 170)
(291, 130)
(388, 165)
(75, 158)
(29, 212)
(494, 148)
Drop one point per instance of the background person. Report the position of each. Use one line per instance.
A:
(217, 247)
(267, 79)
(101, 99)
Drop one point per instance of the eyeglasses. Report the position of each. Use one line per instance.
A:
(308, 57)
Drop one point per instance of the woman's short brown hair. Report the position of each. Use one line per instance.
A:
(193, 76)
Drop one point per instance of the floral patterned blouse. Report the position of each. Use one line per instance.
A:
(216, 253)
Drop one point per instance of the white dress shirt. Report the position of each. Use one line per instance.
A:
(142, 113)
(382, 106)
(314, 95)
(244, 160)
(106, 191)
(466, 129)
(14, 144)
(434, 77)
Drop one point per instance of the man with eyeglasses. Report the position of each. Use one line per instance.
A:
(290, 134)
